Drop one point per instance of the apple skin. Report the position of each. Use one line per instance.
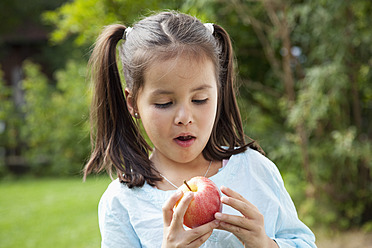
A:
(206, 201)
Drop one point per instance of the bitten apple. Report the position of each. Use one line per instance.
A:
(206, 201)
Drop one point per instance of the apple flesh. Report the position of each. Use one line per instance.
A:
(206, 201)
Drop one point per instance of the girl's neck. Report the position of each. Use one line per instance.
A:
(178, 172)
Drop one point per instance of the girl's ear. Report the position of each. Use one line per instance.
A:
(129, 100)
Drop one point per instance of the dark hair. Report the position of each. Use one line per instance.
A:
(117, 144)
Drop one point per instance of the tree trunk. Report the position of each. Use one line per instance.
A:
(282, 68)
(281, 24)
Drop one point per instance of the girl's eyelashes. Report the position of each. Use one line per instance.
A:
(200, 101)
(168, 104)
(162, 105)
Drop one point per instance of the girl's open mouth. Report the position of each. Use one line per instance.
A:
(185, 141)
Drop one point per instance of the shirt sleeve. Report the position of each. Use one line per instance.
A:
(290, 230)
(116, 229)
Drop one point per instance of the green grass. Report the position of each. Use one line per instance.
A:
(58, 213)
(50, 212)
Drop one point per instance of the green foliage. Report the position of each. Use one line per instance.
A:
(320, 94)
(6, 108)
(86, 18)
(55, 128)
(330, 104)
(78, 16)
(10, 123)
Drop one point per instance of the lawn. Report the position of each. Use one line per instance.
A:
(58, 213)
(50, 212)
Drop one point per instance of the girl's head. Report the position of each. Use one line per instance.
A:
(163, 37)
(158, 39)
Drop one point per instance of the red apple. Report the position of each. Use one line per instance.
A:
(206, 201)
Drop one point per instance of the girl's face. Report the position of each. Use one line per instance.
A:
(178, 105)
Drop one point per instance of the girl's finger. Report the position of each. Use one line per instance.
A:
(181, 208)
(204, 229)
(245, 209)
(200, 240)
(239, 232)
(231, 193)
(200, 234)
(168, 207)
(238, 202)
(238, 221)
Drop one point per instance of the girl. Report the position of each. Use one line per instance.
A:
(179, 86)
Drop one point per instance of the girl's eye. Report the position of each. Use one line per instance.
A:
(200, 101)
(162, 105)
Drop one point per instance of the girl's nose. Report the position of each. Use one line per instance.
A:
(183, 116)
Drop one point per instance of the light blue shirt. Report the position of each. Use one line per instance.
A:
(133, 217)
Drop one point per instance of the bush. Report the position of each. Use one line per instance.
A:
(51, 128)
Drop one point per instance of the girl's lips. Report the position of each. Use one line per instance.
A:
(185, 141)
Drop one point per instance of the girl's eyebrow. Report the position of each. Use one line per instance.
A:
(168, 92)
(161, 92)
(201, 87)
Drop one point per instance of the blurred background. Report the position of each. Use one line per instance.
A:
(305, 77)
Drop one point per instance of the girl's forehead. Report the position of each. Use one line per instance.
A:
(182, 71)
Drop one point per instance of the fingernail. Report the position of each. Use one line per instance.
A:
(216, 223)
(224, 199)
(218, 215)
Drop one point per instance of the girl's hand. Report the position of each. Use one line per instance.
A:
(249, 228)
(174, 233)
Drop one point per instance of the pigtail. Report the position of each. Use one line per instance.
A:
(117, 144)
(228, 129)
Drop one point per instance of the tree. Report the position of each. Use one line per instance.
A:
(85, 19)
(312, 74)
(52, 125)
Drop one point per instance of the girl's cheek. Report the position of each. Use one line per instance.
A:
(209, 113)
(158, 117)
